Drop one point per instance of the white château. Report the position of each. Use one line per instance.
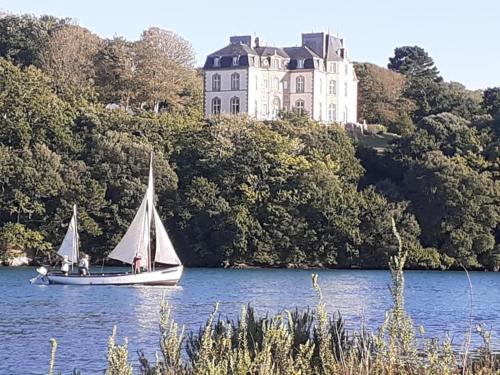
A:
(316, 78)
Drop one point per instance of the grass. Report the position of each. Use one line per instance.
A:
(304, 343)
(379, 142)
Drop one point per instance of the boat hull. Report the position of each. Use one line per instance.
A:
(165, 276)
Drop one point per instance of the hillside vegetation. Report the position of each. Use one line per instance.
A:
(290, 192)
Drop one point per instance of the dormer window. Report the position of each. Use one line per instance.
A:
(333, 67)
(235, 60)
(300, 64)
(216, 62)
(276, 63)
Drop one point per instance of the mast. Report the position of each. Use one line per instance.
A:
(75, 237)
(149, 210)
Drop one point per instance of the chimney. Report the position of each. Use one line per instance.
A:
(257, 42)
(316, 42)
(241, 39)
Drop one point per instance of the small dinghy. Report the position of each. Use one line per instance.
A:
(136, 243)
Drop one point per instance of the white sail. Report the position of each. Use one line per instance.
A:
(165, 252)
(133, 242)
(69, 246)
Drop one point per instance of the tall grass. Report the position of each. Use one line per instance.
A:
(305, 343)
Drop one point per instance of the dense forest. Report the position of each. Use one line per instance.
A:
(79, 116)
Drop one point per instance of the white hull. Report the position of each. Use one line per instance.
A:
(165, 276)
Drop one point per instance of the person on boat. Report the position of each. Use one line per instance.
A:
(65, 263)
(137, 263)
(83, 265)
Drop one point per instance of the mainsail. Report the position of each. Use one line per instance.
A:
(133, 242)
(138, 236)
(69, 246)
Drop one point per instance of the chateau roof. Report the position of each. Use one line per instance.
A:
(271, 51)
(234, 49)
(334, 45)
(300, 53)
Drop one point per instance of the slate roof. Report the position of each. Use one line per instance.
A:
(271, 51)
(300, 53)
(241, 50)
(234, 49)
(333, 45)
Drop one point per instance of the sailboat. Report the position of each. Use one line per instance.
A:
(136, 242)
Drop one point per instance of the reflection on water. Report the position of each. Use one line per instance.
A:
(81, 318)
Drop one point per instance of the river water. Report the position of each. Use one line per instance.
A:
(81, 318)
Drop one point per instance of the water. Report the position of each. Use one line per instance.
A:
(81, 318)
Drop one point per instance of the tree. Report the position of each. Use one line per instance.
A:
(491, 101)
(414, 62)
(69, 59)
(116, 72)
(164, 67)
(31, 111)
(380, 98)
(23, 37)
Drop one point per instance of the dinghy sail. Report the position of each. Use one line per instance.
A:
(69, 246)
(135, 242)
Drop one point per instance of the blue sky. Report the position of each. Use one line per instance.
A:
(461, 35)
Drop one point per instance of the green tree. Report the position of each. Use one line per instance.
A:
(31, 111)
(23, 37)
(414, 62)
(115, 68)
(491, 100)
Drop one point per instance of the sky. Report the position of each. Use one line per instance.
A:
(461, 35)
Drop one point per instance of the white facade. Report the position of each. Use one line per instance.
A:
(317, 78)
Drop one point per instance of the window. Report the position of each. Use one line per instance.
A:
(285, 85)
(300, 64)
(216, 106)
(320, 112)
(265, 83)
(321, 86)
(256, 82)
(257, 62)
(345, 89)
(216, 82)
(264, 109)
(333, 67)
(276, 83)
(235, 105)
(235, 60)
(299, 84)
(256, 109)
(216, 62)
(332, 87)
(275, 64)
(332, 112)
(345, 114)
(299, 106)
(346, 69)
(276, 106)
(235, 81)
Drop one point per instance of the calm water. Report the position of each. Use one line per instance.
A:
(81, 318)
